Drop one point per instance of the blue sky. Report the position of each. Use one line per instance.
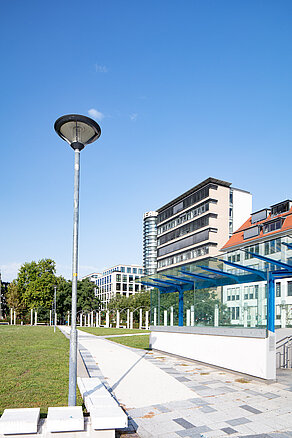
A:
(183, 90)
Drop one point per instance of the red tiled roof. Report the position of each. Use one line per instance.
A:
(237, 237)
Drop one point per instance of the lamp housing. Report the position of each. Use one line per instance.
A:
(77, 130)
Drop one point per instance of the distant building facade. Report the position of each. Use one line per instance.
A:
(150, 242)
(264, 233)
(119, 279)
(196, 224)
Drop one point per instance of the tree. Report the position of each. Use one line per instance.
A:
(86, 299)
(36, 281)
(14, 299)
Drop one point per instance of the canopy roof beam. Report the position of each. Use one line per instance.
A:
(246, 268)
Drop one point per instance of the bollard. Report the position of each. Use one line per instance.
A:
(131, 320)
(216, 316)
(118, 320)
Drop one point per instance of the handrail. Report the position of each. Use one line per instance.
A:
(283, 339)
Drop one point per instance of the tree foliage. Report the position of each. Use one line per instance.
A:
(34, 289)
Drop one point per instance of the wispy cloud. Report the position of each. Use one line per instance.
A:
(133, 116)
(101, 68)
(95, 114)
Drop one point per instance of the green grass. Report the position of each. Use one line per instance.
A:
(133, 341)
(34, 368)
(103, 331)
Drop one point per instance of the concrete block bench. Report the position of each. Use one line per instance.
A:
(105, 412)
(19, 421)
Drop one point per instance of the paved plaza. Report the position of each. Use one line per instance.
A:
(170, 397)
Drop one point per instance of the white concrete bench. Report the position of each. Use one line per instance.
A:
(19, 421)
(105, 412)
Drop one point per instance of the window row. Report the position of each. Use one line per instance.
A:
(186, 229)
(188, 255)
(185, 203)
(187, 241)
(184, 217)
(126, 287)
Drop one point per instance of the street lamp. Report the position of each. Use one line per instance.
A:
(78, 131)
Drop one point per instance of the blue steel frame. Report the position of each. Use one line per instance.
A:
(167, 286)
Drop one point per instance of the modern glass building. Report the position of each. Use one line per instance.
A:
(150, 242)
(119, 279)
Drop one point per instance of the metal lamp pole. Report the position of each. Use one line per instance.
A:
(78, 131)
(55, 308)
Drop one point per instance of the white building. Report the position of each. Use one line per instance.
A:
(196, 224)
(119, 279)
(266, 233)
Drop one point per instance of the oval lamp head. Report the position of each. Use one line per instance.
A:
(77, 130)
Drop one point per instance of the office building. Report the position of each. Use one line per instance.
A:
(196, 224)
(119, 279)
(150, 242)
(266, 233)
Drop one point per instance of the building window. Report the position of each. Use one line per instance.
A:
(131, 278)
(124, 287)
(118, 286)
(118, 277)
(136, 287)
(134, 270)
(130, 287)
(289, 292)
(129, 270)
(272, 226)
(125, 278)
(141, 271)
(122, 269)
(278, 289)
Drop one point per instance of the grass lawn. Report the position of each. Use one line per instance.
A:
(133, 341)
(34, 368)
(104, 331)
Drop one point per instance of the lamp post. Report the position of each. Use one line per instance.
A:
(77, 131)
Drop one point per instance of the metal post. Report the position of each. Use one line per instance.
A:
(73, 333)
(180, 307)
(188, 315)
(128, 318)
(147, 319)
(11, 312)
(14, 317)
(165, 317)
(55, 293)
(31, 316)
(171, 315)
(216, 316)
(50, 318)
(118, 320)
(140, 318)
(271, 302)
(131, 320)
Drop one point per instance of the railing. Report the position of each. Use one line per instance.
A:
(284, 352)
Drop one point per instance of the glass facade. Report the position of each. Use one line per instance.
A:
(150, 242)
(212, 299)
